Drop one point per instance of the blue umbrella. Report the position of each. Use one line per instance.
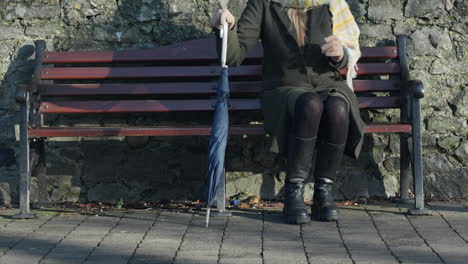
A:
(219, 132)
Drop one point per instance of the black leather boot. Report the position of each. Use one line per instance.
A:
(300, 153)
(328, 161)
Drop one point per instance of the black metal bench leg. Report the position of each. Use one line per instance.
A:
(417, 162)
(405, 166)
(221, 198)
(25, 171)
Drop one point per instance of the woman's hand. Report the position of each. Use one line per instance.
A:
(333, 48)
(222, 15)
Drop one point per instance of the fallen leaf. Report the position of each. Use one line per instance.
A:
(244, 206)
(254, 199)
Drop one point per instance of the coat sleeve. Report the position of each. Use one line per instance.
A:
(244, 35)
(341, 64)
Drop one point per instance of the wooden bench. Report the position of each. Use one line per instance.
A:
(182, 78)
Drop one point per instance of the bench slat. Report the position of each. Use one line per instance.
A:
(187, 88)
(190, 51)
(102, 73)
(136, 106)
(146, 88)
(184, 131)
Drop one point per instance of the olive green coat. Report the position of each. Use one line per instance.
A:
(289, 70)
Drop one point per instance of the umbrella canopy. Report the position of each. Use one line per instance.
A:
(218, 140)
(219, 132)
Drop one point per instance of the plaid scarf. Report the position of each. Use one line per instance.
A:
(344, 27)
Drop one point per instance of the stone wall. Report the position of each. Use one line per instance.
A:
(172, 168)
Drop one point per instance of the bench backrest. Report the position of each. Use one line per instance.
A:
(183, 78)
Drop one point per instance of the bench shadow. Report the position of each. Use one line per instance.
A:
(19, 72)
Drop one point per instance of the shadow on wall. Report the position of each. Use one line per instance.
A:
(132, 24)
(19, 72)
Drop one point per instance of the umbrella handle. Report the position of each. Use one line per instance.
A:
(224, 37)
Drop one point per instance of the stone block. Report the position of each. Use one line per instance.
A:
(430, 41)
(5, 195)
(461, 105)
(424, 8)
(462, 153)
(440, 66)
(449, 143)
(385, 9)
(440, 125)
(36, 10)
(263, 185)
(377, 31)
(111, 192)
(402, 29)
(13, 31)
(392, 163)
(44, 31)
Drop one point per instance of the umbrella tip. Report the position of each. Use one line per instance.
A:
(207, 219)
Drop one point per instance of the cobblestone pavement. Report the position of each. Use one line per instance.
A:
(379, 233)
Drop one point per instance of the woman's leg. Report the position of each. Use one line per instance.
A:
(301, 143)
(333, 135)
(307, 113)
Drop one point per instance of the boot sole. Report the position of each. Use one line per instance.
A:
(297, 220)
(324, 218)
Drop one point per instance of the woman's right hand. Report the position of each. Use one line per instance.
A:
(223, 15)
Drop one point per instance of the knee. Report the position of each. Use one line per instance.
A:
(337, 108)
(309, 104)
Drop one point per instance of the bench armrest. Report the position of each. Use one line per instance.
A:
(416, 88)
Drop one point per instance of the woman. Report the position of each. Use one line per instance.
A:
(304, 98)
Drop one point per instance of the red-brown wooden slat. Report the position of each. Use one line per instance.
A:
(101, 73)
(141, 131)
(379, 102)
(388, 128)
(195, 50)
(376, 69)
(376, 85)
(183, 131)
(379, 52)
(86, 107)
(146, 88)
(187, 88)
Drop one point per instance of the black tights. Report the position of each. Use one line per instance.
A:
(332, 116)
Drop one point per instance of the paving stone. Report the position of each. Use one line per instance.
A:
(415, 254)
(162, 241)
(136, 238)
(243, 260)
(62, 261)
(186, 259)
(290, 259)
(108, 258)
(335, 259)
(152, 260)
(78, 253)
(374, 259)
(441, 238)
(233, 250)
(19, 260)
